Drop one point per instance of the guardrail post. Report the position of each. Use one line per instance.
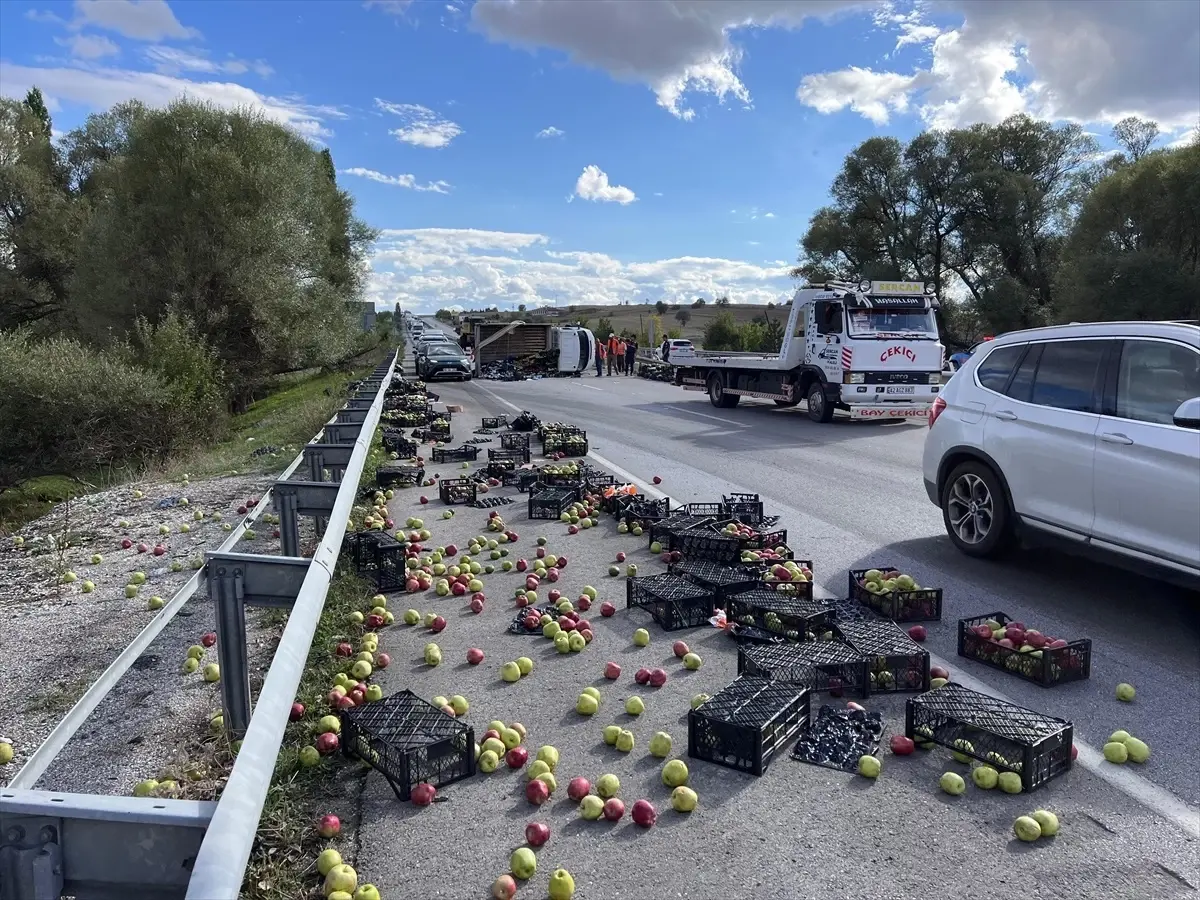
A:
(289, 527)
(341, 433)
(351, 416)
(224, 588)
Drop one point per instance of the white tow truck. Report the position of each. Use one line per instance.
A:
(870, 349)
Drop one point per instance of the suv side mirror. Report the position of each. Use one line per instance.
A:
(1188, 414)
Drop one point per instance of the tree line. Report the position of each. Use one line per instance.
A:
(158, 270)
(1019, 224)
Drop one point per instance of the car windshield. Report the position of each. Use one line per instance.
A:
(447, 350)
(890, 323)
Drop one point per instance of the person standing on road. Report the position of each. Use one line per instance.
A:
(666, 349)
(612, 351)
(599, 358)
(630, 355)
(622, 350)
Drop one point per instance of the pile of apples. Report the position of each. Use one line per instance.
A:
(340, 880)
(787, 571)
(504, 742)
(1016, 647)
(378, 518)
(580, 515)
(879, 582)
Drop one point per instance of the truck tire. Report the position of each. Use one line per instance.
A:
(820, 410)
(717, 395)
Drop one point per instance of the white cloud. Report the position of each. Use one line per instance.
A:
(89, 46)
(422, 126)
(391, 7)
(593, 185)
(101, 88)
(173, 60)
(1063, 59)
(432, 268)
(769, 215)
(550, 132)
(1067, 59)
(142, 20)
(404, 181)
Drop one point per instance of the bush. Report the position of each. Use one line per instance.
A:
(69, 408)
(188, 369)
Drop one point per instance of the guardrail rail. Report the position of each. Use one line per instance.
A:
(97, 847)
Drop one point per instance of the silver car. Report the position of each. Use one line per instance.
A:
(1089, 432)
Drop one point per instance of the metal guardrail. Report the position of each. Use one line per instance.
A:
(95, 847)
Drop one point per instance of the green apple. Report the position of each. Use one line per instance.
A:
(510, 672)
(361, 670)
(1010, 782)
(586, 705)
(641, 638)
(309, 756)
(411, 617)
(327, 724)
(684, 799)
(155, 603)
(145, 788)
(488, 761)
(366, 892)
(510, 737)
(190, 665)
(675, 773)
(608, 786)
(374, 692)
(522, 863)
(614, 571)
(963, 747)
(340, 878)
(869, 766)
(562, 885)
(525, 664)
(692, 661)
(1125, 692)
(459, 704)
(548, 755)
(1138, 750)
(985, 777)
(212, 672)
(635, 706)
(87, 587)
(611, 733)
(1047, 821)
(562, 642)
(625, 741)
(1116, 752)
(589, 592)
(593, 692)
(551, 629)
(433, 655)
(536, 768)
(131, 591)
(591, 807)
(576, 641)
(952, 783)
(660, 745)
(97, 559)
(327, 860)
(495, 745)
(699, 700)
(1026, 828)
(547, 778)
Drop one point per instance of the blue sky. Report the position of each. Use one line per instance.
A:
(691, 139)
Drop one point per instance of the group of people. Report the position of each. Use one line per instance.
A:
(618, 353)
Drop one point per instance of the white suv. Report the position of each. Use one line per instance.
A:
(1089, 432)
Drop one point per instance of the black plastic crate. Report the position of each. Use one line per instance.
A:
(672, 601)
(746, 508)
(457, 490)
(793, 617)
(895, 662)
(439, 428)
(708, 542)
(708, 510)
(573, 443)
(569, 477)
(750, 634)
(494, 422)
(662, 529)
(404, 418)
(524, 480)
(724, 581)
(518, 455)
(394, 441)
(389, 475)
(425, 434)
(379, 557)
(551, 503)
(501, 469)
(1046, 666)
(643, 510)
(764, 569)
(924, 605)
(747, 723)
(465, 453)
(513, 439)
(409, 741)
(1001, 734)
(851, 611)
(596, 481)
(548, 429)
(828, 666)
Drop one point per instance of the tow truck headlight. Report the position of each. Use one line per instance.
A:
(864, 286)
(935, 378)
(854, 378)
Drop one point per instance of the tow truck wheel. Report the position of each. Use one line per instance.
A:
(820, 410)
(717, 395)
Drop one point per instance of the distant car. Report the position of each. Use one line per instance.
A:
(444, 360)
(957, 359)
(1089, 432)
(675, 344)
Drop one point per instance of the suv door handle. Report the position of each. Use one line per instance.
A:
(1005, 415)
(1116, 438)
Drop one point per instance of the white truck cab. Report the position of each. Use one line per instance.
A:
(870, 349)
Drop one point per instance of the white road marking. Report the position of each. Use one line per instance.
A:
(725, 422)
(591, 387)
(1143, 791)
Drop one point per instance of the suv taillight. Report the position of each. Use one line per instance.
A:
(936, 410)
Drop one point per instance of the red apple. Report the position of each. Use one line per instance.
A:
(516, 757)
(426, 583)
(536, 834)
(382, 661)
(584, 603)
(572, 529)
(560, 563)
(333, 697)
(552, 576)
(512, 536)
(1035, 640)
(143, 547)
(358, 697)
(412, 585)
(297, 712)
(621, 556)
(532, 582)
(327, 743)
(554, 596)
(657, 479)
(438, 624)
(531, 622)
(458, 589)
(835, 687)
(578, 788)
(1074, 752)
(642, 676)
(522, 565)
(607, 609)
(126, 543)
(423, 794)
(614, 809)
(901, 745)
(474, 656)
(658, 677)
(345, 649)
(938, 672)
(612, 671)
(982, 631)
(1003, 642)
(540, 553)
(374, 621)
(644, 814)
(1057, 645)
(857, 706)
(566, 623)
(490, 733)
(159, 549)
(242, 510)
(504, 888)
(449, 710)
(451, 550)
(918, 633)
(536, 792)
(329, 826)
(587, 634)
(424, 499)
(680, 649)
(476, 603)
(345, 701)
(208, 639)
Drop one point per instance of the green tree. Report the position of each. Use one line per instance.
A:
(660, 307)
(1134, 252)
(722, 333)
(722, 301)
(1135, 136)
(699, 302)
(603, 328)
(36, 104)
(223, 217)
(682, 316)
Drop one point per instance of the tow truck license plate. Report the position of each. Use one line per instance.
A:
(901, 389)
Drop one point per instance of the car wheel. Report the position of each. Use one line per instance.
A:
(975, 511)
(820, 410)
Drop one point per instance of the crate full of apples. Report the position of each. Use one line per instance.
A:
(1003, 643)
(895, 595)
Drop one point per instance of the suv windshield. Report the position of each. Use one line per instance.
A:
(890, 323)
(446, 350)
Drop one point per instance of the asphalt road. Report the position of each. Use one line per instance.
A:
(850, 496)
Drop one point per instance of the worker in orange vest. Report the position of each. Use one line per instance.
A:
(599, 357)
(613, 344)
(621, 351)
